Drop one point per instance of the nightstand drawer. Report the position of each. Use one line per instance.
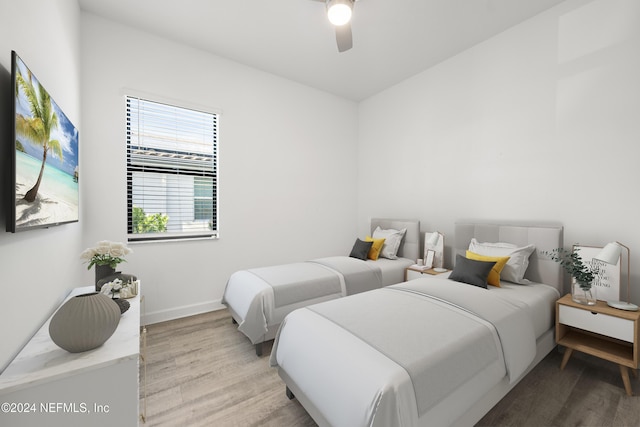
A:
(599, 323)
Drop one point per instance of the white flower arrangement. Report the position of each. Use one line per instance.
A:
(111, 288)
(117, 286)
(105, 253)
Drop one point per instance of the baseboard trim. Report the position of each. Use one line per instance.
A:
(178, 312)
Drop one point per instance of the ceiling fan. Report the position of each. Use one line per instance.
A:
(339, 14)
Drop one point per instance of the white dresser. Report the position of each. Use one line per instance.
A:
(46, 385)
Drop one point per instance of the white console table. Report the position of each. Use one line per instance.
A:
(46, 385)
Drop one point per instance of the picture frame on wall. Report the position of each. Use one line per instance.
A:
(607, 281)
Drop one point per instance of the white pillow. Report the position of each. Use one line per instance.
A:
(392, 239)
(518, 262)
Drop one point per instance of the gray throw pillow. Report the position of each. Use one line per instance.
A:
(360, 249)
(471, 271)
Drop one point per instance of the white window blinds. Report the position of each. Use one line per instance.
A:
(171, 171)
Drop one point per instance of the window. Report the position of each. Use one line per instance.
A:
(171, 171)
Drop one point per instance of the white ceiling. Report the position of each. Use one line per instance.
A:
(392, 39)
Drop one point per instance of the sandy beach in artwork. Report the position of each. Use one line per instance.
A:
(56, 202)
(43, 210)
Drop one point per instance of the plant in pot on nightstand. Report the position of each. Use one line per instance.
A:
(582, 289)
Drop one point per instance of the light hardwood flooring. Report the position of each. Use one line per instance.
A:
(201, 371)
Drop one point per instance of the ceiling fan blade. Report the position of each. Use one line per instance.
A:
(344, 38)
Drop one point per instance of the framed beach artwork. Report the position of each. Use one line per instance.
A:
(45, 171)
(607, 281)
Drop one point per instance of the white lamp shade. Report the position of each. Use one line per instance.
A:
(339, 11)
(610, 254)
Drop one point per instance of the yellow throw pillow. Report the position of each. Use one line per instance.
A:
(494, 275)
(374, 252)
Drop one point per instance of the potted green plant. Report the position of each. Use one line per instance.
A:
(583, 274)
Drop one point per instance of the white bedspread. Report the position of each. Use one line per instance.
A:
(351, 383)
(253, 300)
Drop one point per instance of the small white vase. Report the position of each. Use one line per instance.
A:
(583, 293)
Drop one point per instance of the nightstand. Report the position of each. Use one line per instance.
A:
(412, 272)
(601, 331)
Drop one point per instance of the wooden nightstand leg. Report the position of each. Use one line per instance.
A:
(635, 373)
(565, 358)
(624, 371)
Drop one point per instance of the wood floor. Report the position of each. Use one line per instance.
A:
(201, 371)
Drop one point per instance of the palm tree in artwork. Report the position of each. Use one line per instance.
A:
(37, 128)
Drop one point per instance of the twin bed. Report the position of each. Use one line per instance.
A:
(431, 351)
(260, 298)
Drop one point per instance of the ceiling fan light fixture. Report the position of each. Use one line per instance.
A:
(339, 11)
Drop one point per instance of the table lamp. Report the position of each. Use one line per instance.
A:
(610, 255)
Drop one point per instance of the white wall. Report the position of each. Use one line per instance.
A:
(538, 123)
(38, 267)
(287, 164)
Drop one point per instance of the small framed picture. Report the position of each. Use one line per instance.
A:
(438, 248)
(428, 258)
(607, 281)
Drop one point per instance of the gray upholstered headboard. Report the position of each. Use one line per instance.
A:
(410, 246)
(545, 236)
